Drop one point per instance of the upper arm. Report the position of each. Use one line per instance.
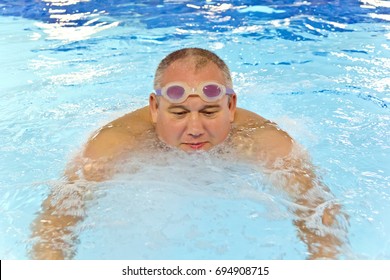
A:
(272, 143)
(287, 163)
(109, 144)
(103, 150)
(97, 160)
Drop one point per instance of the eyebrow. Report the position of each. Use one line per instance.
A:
(211, 107)
(186, 109)
(172, 107)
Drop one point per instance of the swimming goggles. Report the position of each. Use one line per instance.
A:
(177, 92)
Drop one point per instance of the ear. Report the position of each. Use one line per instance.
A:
(153, 107)
(232, 106)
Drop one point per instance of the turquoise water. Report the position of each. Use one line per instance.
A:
(320, 69)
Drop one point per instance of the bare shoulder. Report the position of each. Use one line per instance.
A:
(119, 135)
(244, 117)
(264, 139)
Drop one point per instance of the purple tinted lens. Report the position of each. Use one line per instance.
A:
(212, 90)
(175, 92)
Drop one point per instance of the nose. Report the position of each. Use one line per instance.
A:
(195, 126)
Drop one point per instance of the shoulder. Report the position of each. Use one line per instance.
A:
(109, 144)
(243, 117)
(119, 135)
(136, 121)
(265, 139)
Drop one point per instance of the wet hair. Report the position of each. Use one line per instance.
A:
(200, 58)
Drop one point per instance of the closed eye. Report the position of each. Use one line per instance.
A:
(210, 110)
(209, 113)
(179, 114)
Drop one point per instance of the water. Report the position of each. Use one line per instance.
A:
(320, 69)
(211, 209)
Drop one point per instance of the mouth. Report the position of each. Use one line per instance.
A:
(196, 146)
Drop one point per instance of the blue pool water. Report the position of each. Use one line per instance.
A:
(320, 69)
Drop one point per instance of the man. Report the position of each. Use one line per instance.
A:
(194, 108)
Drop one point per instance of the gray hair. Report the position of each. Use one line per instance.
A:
(201, 58)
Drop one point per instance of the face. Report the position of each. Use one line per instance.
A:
(193, 124)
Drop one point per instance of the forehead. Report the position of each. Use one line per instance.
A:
(188, 71)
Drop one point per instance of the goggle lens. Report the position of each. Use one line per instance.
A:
(212, 91)
(175, 92)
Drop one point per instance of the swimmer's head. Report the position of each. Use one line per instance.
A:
(196, 122)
